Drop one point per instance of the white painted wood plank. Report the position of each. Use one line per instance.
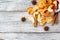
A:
(15, 36)
(14, 5)
(10, 22)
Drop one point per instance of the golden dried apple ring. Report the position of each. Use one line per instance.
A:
(30, 10)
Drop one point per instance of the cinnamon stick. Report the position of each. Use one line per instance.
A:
(55, 21)
(56, 18)
(35, 20)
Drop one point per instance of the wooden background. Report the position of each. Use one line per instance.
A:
(11, 27)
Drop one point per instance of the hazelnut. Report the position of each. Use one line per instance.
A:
(23, 19)
(34, 2)
(46, 28)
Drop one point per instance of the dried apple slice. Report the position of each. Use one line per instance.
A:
(30, 10)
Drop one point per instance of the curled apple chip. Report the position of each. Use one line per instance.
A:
(30, 10)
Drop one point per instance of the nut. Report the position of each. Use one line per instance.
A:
(34, 2)
(23, 19)
(46, 28)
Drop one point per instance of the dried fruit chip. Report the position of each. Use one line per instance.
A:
(30, 10)
(42, 22)
(49, 19)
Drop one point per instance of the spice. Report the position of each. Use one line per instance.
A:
(34, 2)
(35, 20)
(46, 28)
(56, 18)
(23, 19)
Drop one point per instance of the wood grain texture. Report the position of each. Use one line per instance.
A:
(16, 36)
(14, 5)
(11, 22)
